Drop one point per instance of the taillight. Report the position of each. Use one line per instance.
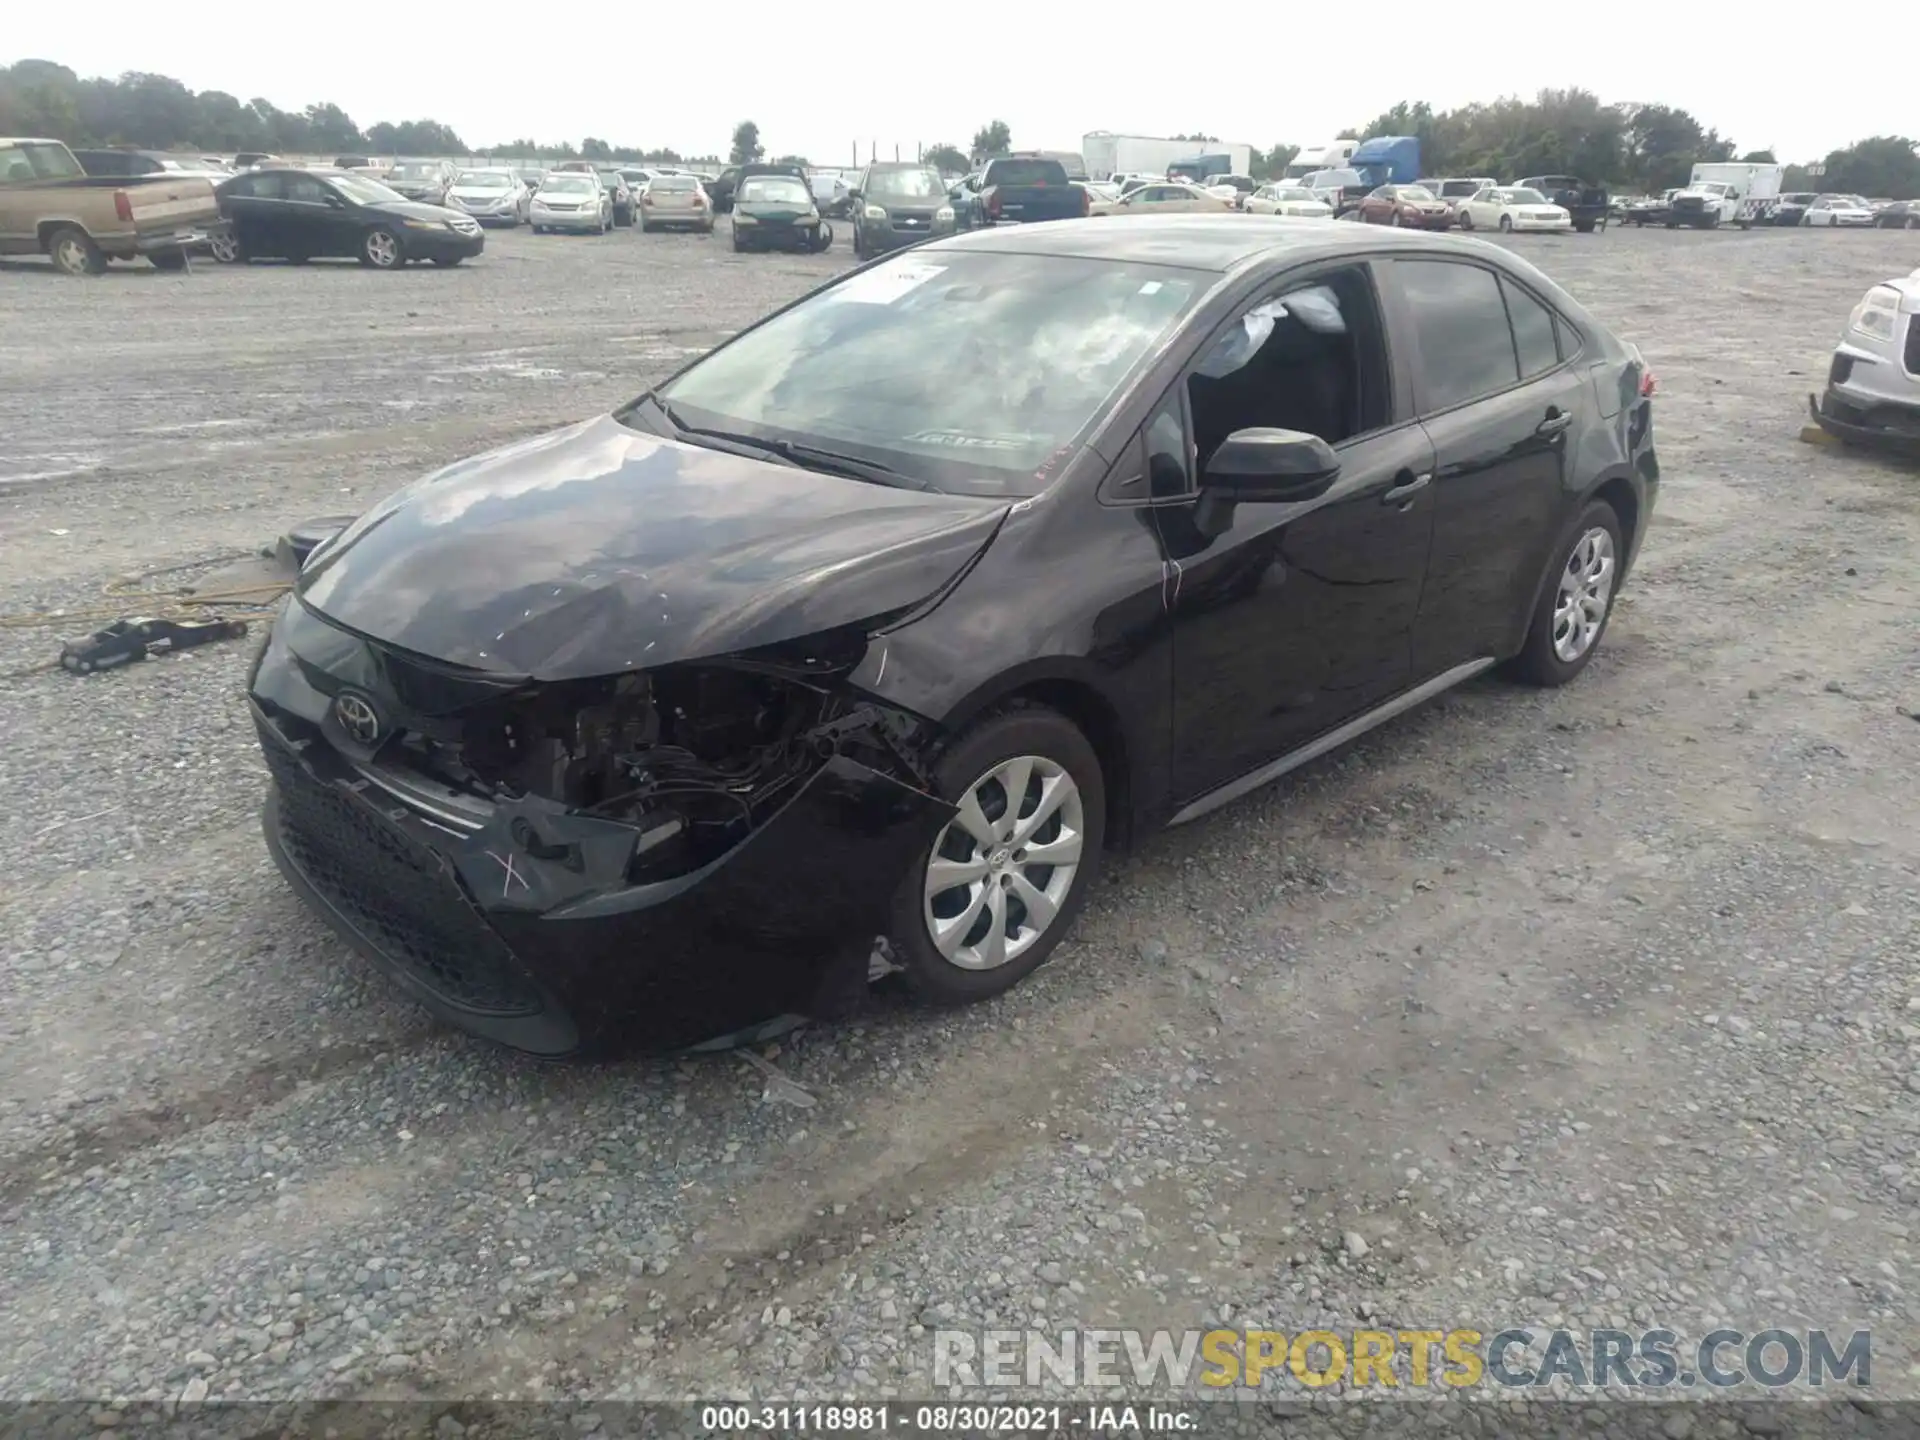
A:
(993, 205)
(1086, 202)
(1648, 384)
(123, 206)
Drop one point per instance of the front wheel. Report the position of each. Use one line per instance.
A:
(380, 248)
(1466, 220)
(1576, 602)
(168, 259)
(1506, 224)
(1001, 883)
(1396, 218)
(225, 246)
(448, 261)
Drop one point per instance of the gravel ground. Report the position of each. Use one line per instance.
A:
(1585, 1008)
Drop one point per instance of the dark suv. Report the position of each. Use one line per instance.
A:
(720, 189)
(895, 205)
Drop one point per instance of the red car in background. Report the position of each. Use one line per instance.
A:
(1413, 205)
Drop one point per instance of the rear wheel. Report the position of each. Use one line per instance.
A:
(1576, 602)
(168, 259)
(225, 246)
(1001, 883)
(1506, 223)
(1466, 220)
(74, 253)
(380, 248)
(448, 261)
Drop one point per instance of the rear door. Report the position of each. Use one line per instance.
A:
(248, 203)
(1500, 392)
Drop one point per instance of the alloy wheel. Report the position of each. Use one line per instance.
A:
(1586, 589)
(1003, 867)
(225, 247)
(382, 249)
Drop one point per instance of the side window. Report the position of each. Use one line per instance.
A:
(1533, 331)
(269, 187)
(1310, 358)
(238, 189)
(1460, 326)
(1169, 460)
(305, 190)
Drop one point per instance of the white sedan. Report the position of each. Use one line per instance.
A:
(1512, 207)
(1288, 200)
(1171, 197)
(1101, 196)
(1837, 210)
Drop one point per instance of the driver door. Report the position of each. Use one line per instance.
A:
(313, 218)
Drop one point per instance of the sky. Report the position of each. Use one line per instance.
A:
(819, 79)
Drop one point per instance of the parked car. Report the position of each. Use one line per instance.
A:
(874, 690)
(778, 212)
(1170, 197)
(721, 188)
(576, 167)
(619, 196)
(1282, 198)
(302, 215)
(571, 200)
(637, 177)
(963, 195)
(898, 204)
(250, 159)
(833, 194)
(1651, 211)
(1343, 188)
(1101, 196)
(1899, 215)
(1838, 210)
(1792, 207)
(50, 206)
(1588, 205)
(1241, 185)
(493, 197)
(675, 202)
(1406, 205)
(1025, 189)
(531, 176)
(428, 181)
(1873, 381)
(1453, 191)
(1512, 207)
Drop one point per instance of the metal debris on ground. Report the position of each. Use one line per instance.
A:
(780, 1090)
(125, 641)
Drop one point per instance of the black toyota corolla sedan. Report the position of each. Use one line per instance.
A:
(898, 611)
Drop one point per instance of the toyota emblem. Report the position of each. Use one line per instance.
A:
(357, 717)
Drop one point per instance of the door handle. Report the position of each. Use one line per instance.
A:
(1556, 422)
(1402, 493)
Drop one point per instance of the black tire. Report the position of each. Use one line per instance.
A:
(739, 248)
(859, 253)
(1673, 224)
(1585, 227)
(1538, 663)
(1506, 224)
(168, 259)
(73, 252)
(378, 255)
(1020, 729)
(1466, 220)
(226, 249)
(447, 262)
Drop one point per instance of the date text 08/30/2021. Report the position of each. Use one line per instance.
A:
(949, 1419)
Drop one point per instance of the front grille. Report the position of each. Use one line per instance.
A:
(395, 892)
(1912, 353)
(1689, 202)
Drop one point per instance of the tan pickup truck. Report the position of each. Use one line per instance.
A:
(50, 206)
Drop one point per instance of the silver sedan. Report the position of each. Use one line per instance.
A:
(493, 197)
(568, 200)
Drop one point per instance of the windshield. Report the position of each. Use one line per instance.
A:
(906, 184)
(1415, 193)
(611, 181)
(970, 372)
(414, 170)
(1295, 192)
(566, 184)
(774, 190)
(1450, 188)
(1523, 196)
(367, 192)
(485, 180)
(672, 183)
(1851, 202)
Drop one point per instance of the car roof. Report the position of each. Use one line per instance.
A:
(1203, 242)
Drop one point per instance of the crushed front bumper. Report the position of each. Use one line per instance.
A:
(1883, 425)
(564, 956)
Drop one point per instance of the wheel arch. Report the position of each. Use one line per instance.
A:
(1074, 694)
(1616, 489)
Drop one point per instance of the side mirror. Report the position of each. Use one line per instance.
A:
(1263, 466)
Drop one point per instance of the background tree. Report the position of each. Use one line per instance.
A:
(794, 160)
(746, 144)
(331, 128)
(1758, 157)
(593, 148)
(947, 158)
(1881, 165)
(993, 138)
(1272, 164)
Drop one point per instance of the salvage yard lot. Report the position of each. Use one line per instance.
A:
(1596, 1006)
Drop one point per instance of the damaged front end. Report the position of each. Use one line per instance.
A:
(1872, 398)
(650, 859)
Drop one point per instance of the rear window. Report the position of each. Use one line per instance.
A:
(1026, 172)
(673, 182)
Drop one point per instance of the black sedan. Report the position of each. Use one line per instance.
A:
(302, 215)
(641, 731)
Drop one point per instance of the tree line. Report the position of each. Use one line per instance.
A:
(1642, 146)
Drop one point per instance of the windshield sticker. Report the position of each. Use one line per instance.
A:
(960, 440)
(887, 284)
(1152, 287)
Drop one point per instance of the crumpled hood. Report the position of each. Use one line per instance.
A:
(597, 549)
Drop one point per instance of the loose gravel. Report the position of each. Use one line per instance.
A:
(1598, 1007)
